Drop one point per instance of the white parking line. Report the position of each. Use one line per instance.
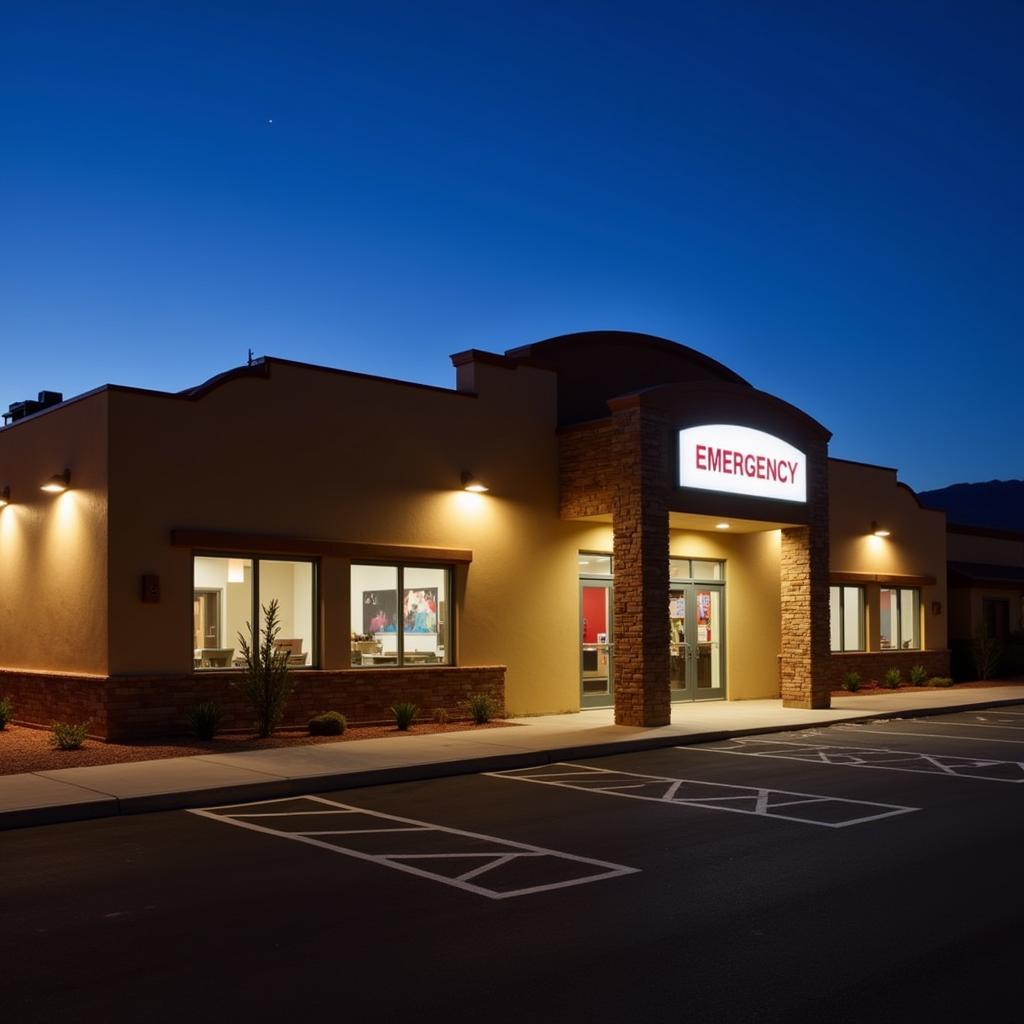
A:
(837, 754)
(758, 801)
(980, 722)
(924, 735)
(495, 853)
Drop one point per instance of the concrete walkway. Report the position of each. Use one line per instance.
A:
(69, 794)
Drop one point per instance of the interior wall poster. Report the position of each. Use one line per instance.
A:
(380, 611)
(419, 610)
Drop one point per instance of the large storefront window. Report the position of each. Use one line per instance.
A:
(400, 615)
(846, 608)
(899, 618)
(231, 592)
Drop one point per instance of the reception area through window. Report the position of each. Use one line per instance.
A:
(231, 592)
(400, 615)
(900, 618)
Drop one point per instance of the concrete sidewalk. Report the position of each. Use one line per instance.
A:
(70, 794)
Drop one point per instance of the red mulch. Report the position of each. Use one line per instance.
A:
(29, 750)
(874, 689)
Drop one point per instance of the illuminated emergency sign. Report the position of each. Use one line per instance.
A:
(741, 460)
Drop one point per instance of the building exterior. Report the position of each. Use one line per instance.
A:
(654, 529)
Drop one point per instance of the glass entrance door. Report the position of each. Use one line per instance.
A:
(597, 680)
(696, 648)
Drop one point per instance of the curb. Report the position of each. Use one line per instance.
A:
(110, 806)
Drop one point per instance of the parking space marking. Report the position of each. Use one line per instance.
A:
(951, 765)
(495, 857)
(926, 735)
(828, 811)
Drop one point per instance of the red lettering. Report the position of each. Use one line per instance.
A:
(702, 456)
(760, 467)
(773, 469)
(715, 460)
(750, 465)
(727, 461)
(792, 471)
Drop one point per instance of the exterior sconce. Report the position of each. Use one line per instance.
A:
(470, 483)
(879, 531)
(58, 483)
(722, 526)
(5, 497)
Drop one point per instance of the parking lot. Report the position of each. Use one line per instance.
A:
(855, 872)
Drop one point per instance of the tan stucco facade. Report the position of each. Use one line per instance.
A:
(299, 454)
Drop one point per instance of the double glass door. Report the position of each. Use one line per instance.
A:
(695, 618)
(597, 646)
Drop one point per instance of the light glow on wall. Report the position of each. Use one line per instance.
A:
(740, 460)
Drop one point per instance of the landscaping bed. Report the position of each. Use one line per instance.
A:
(23, 749)
(873, 689)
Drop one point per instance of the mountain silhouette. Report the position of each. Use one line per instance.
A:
(997, 504)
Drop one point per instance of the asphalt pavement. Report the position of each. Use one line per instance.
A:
(855, 872)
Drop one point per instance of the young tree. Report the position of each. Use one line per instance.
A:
(265, 684)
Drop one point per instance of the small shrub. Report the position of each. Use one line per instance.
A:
(851, 681)
(893, 678)
(940, 681)
(988, 652)
(918, 675)
(6, 711)
(405, 713)
(441, 716)
(328, 723)
(480, 707)
(68, 735)
(205, 718)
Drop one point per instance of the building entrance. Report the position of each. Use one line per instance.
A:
(696, 615)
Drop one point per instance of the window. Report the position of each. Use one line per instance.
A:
(899, 617)
(695, 569)
(846, 614)
(592, 563)
(229, 593)
(401, 615)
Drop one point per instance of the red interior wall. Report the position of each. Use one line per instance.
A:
(595, 615)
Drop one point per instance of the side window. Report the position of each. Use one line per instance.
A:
(401, 615)
(846, 616)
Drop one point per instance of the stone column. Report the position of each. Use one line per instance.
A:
(806, 650)
(640, 529)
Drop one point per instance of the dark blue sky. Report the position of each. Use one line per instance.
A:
(826, 197)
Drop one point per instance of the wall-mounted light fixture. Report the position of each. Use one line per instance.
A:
(5, 497)
(58, 483)
(722, 526)
(470, 483)
(878, 531)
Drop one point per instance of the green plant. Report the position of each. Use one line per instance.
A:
(328, 723)
(940, 681)
(205, 718)
(265, 683)
(68, 735)
(405, 712)
(851, 681)
(918, 675)
(6, 711)
(441, 716)
(893, 678)
(480, 707)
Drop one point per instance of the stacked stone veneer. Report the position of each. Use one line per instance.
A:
(640, 530)
(872, 665)
(129, 707)
(587, 469)
(805, 649)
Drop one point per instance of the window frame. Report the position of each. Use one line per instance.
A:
(256, 610)
(897, 615)
(449, 635)
(842, 648)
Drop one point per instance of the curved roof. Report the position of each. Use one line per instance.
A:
(594, 366)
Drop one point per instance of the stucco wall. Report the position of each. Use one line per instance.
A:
(53, 547)
(861, 494)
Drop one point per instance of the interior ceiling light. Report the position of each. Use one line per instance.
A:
(470, 483)
(5, 497)
(878, 531)
(721, 526)
(58, 483)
